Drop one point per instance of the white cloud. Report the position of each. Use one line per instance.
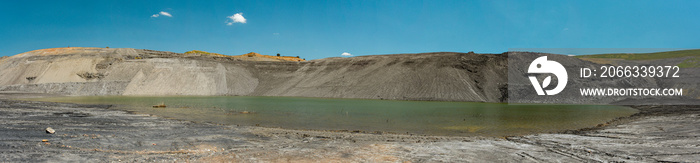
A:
(346, 54)
(236, 18)
(165, 14)
(161, 13)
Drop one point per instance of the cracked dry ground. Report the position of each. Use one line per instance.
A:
(92, 133)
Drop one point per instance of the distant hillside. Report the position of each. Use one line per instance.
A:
(646, 56)
(252, 56)
(692, 57)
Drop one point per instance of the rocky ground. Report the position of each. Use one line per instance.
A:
(95, 133)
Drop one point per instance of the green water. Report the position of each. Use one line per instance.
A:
(413, 117)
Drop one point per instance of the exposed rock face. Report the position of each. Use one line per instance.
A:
(123, 71)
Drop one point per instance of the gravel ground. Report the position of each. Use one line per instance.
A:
(95, 133)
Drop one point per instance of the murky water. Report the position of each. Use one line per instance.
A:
(414, 117)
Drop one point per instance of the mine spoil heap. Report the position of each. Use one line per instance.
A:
(443, 76)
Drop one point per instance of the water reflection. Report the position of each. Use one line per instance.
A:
(414, 117)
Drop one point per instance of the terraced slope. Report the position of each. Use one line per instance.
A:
(123, 71)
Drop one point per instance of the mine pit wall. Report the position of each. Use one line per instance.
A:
(437, 76)
(428, 76)
(106, 88)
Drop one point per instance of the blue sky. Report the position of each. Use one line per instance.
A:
(320, 29)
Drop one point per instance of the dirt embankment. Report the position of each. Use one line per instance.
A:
(252, 56)
(122, 71)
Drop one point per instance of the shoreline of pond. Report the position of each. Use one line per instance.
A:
(97, 133)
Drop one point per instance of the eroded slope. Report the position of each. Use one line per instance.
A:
(123, 71)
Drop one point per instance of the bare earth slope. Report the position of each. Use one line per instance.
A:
(123, 71)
